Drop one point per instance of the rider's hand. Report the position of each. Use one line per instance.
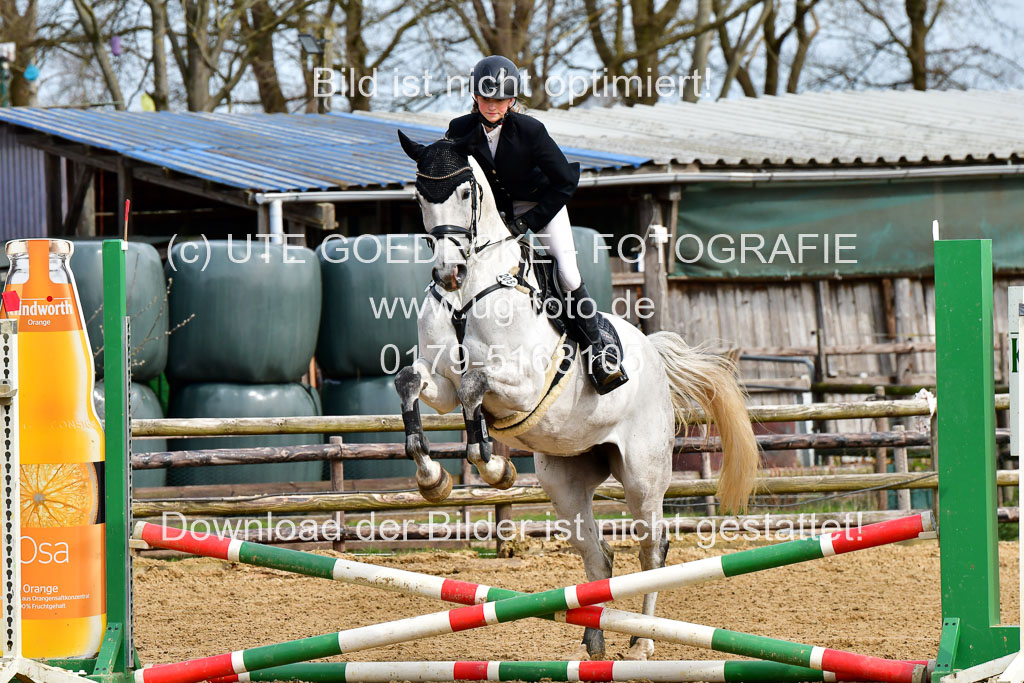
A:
(516, 226)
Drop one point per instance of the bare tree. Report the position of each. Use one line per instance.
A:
(739, 54)
(774, 39)
(921, 45)
(20, 28)
(205, 38)
(258, 28)
(91, 27)
(912, 39)
(538, 35)
(500, 28)
(240, 52)
(158, 17)
(359, 60)
(560, 32)
(701, 48)
(220, 42)
(803, 42)
(655, 35)
(649, 27)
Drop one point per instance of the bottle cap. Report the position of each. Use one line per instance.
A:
(18, 247)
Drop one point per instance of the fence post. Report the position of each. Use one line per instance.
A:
(881, 425)
(501, 512)
(904, 313)
(656, 274)
(933, 443)
(899, 459)
(338, 484)
(705, 473)
(467, 473)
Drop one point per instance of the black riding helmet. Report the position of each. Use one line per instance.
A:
(496, 77)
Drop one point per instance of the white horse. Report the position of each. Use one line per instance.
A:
(578, 437)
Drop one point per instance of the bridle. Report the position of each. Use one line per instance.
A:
(459, 316)
(446, 231)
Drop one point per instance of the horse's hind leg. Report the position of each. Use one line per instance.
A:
(644, 481)
(496, 470)
(570, 483)
(433, 481)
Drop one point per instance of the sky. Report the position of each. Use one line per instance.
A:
(63, 82)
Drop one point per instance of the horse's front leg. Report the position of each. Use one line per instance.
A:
(433, 481)
(496, 470)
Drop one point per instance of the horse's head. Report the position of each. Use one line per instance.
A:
(449, 197)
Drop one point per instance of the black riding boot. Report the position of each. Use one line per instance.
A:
(602, 360)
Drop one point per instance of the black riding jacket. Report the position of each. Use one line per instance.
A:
(527, 166)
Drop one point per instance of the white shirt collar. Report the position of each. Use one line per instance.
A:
(492, 138)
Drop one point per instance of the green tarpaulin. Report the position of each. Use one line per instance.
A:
(829, 229)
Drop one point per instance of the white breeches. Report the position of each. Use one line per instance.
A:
(556, 238)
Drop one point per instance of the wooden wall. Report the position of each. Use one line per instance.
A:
(875, 331)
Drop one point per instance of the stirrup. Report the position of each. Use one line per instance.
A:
(604, 381)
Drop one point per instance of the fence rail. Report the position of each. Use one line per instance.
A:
(394, 451)
(342, 424)
(486, 530)
(335, 501)
(366, 501)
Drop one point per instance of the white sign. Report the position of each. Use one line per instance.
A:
(8, 50)
(1014, 673)
(1015, 297)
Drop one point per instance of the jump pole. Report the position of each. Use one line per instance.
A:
(849, 665)
(572, 598)
(466, 593)
(462, 592)
(710, 671)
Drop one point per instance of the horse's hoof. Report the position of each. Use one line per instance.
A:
(640, 650)
(508, 476)
(439, 490)
(580, 654)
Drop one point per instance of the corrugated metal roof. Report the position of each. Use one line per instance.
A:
(295, 152)
(22, 192)
(831, 128)
(262, 152)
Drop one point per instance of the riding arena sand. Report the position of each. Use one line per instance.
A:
(883, 601)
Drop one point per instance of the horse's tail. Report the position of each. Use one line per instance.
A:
(709, 381)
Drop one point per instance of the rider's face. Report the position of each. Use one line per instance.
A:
(493, 109)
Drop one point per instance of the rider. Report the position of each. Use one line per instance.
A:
(531, 181)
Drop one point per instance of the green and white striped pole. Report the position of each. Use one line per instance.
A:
(710, 671)
(572, 598)
(462, 592)
(854, 666)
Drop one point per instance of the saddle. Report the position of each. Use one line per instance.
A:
(549, 293)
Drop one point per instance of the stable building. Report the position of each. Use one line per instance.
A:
(797, 228)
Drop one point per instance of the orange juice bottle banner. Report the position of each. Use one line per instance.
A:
(61, 444)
